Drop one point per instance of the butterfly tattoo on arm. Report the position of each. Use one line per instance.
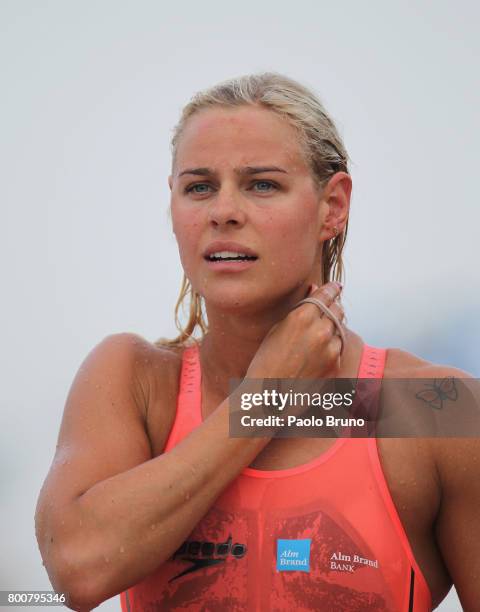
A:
(439, 391)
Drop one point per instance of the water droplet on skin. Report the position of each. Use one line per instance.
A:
(122, 550)
(187, 496)
(106, 559)
(80, 523)
(153, 526)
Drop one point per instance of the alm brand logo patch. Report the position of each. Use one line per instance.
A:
(293, 555)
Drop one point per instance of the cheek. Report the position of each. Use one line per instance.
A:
(185, 223)
(186, 228)
(297, 237)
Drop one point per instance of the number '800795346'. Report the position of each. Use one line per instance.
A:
(31, 597)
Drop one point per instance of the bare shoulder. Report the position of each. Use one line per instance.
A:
(451, 455)
(156, 370)
(161, 367)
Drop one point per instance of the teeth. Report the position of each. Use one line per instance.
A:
(227, 255)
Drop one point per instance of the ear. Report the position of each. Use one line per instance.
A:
(170, 182)
(335, 199)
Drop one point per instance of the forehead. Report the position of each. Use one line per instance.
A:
(248, 135)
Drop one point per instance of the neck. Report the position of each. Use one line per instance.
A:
(234, 337)
(227, 350)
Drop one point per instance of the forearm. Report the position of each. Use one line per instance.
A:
(123, 528)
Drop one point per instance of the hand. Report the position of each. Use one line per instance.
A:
(304, 344)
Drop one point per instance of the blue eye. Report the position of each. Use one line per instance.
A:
(193, 189)
(267, 183)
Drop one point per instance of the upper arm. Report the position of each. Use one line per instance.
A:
(458, 521)
(103, 428)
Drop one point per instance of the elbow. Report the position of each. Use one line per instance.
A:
(81, 587)
(80, 603)
(81, 593)
(72, 564)
(81, 596)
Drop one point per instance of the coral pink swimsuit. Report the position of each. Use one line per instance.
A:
(324, 535)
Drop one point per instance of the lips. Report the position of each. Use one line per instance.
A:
(223, 266)
(222, 245)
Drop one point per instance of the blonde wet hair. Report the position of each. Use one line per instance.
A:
(322, 146)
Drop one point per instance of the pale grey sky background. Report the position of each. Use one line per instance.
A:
(90, 93)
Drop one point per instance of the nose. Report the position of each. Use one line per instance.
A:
(226, 209)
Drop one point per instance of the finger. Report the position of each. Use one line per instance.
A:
(337, 340)
(337, 308)
(334, 311)
(327, 293)
(335, 322)
(332, 320)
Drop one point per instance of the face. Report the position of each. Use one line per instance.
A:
(240, 176)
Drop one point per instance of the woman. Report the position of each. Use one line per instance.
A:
(148, 495)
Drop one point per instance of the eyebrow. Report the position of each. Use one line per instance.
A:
(247, 170)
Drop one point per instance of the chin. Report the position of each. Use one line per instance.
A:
(244, 302)
(235, 301)
(229, 302)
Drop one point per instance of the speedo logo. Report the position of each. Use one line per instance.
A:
(206, 554)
